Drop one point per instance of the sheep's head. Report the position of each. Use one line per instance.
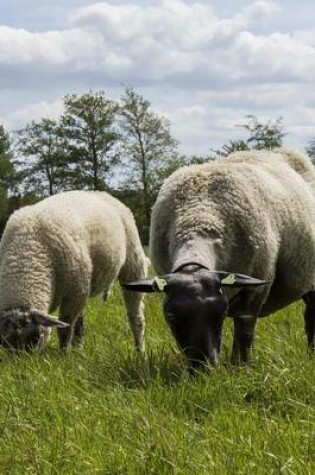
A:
(195, 305)
(25, 329)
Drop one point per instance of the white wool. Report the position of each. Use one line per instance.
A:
(67, 247)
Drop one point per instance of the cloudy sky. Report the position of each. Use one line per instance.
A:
(203, 64)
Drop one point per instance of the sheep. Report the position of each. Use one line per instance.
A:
(236, 237)
(58, 252)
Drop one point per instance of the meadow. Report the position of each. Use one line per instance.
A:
(101, 409)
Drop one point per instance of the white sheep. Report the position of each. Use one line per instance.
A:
(252, 213)
(57, 253)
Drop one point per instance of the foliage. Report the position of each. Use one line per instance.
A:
(266, 135)
(102, 410)
(310, 150)
(8, 176)
(88, 127)
(42, 157)
(232, 146)
(148, 147)
(262, 135)
(8, 179)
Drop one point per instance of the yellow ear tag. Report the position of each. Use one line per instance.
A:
(160, 283)
(228, 280)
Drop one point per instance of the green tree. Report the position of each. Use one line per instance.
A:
(310, 150)
(88, 126)
(262, 136)
(42, 158)
(232, 146)
(7, 164)
(8, 176)
(148, 148)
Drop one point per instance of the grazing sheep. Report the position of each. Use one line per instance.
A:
(252, 213)
(57, 253)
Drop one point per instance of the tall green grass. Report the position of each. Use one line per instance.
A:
(103, 410)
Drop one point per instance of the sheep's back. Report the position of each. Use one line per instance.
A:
(77, 234)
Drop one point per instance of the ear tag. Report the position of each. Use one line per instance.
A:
(160, 283)
(228, 280)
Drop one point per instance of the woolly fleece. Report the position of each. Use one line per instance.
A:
(67, 247)
(252, 213)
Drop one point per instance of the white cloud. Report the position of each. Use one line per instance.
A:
(261, 9)
(165, 39)
(305, 36)
(209, 71)
(275, 55)
(36, 112)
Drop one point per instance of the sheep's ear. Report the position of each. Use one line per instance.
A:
(157, 284)
(47, 320)
(239, 280)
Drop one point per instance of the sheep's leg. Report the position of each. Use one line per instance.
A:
(244, 327)
(309, 319)
(71, 335)
(134, 307)
(134, 268)
(78, 331)
(135, 312)
(72, 313)
(65, 334)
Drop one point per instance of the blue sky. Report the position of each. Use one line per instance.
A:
(205, 65)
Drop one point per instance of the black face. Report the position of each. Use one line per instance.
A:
(19, 330)
(194, 308)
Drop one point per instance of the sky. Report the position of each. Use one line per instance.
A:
(204, 65)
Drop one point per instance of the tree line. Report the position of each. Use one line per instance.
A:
(97, 143)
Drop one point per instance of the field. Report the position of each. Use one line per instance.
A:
(102, 410)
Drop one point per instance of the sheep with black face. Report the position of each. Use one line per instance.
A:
(234, 237)
(57, 253)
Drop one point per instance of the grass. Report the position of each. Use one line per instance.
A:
(103, 410)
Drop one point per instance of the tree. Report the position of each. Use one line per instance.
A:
(262, 135)
(8, 177)
(89, 131)
(232, 146)
(266, 135)
(42, 157)
(7, 169)
(310, 150)
(147, 146)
